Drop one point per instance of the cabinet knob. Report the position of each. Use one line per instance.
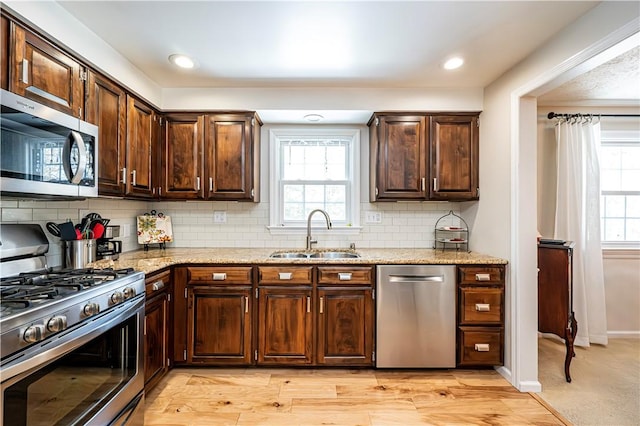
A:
(481, 347)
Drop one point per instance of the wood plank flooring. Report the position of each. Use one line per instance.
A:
(260, 396)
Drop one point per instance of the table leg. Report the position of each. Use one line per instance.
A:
(569, 337)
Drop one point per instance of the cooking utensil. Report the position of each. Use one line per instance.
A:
(53, 229)
(67, 231)
(105, 222)
(92, 216)
(97, 228)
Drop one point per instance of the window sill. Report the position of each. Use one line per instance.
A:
(621, 251)
(302, 230)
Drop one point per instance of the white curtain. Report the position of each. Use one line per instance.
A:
(578, 219)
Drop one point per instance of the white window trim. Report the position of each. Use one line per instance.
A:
(275, 134)
(623, 137)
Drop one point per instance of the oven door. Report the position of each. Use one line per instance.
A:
(90, 375)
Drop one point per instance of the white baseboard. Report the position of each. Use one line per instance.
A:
(623, 334)
(530, 386)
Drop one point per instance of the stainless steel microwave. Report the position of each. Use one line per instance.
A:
(44, 152)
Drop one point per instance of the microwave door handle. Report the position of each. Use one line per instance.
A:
(82, 157)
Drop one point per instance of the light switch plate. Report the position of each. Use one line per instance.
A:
(373, 217)
(219, 217)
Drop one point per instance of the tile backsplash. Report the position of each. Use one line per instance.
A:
(403, 224)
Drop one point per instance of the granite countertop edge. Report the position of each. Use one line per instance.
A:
(155, 260)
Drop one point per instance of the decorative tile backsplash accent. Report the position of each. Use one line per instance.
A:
(402, 225)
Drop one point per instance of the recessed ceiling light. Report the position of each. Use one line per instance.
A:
(453, 63)
(314, 118)
(182, 61)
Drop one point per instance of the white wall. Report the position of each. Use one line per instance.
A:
(621, 267)
(507, 223)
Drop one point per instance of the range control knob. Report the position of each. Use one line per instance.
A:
(57, 323)
(34, 333)
(91, 309)
(117, 297)
(129, 292)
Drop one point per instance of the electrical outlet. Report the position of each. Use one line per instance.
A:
(373, 217)
(219, 217)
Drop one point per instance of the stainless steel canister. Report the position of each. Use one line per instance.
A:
(78, 253)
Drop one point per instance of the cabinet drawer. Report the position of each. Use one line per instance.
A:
(284, 275)
(482, 275)
(220, 275)
(157, 283)
(345, 275)
(481, 306)
(480, 346)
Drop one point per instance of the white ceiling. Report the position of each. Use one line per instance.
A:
(381, 44)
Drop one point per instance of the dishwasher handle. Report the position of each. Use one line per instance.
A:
(416, 278)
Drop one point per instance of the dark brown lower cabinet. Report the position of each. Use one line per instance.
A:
(156, 328)
(285, 326)
(345, 326)
(219, 325)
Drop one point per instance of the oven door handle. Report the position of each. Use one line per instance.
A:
(74, 137)
(33, 358)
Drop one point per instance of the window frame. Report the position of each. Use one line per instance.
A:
(276, 208)
(617, 138)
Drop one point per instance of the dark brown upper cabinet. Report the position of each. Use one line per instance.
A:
(453, 168)
(41, 72)
(182, 165)
(143, 128)
(423, 156)
(4, 53)
(106, 107)
(232, 157)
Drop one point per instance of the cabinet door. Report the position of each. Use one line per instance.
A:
(229, 158)
(141, 133)
(345, 327)
(155, 339)
(219, 325)
(453, 171)
(180, 315)
(182, 166)
(4, 53)
(45, 74)
(401, 157)
(106, 107)
(285, 334)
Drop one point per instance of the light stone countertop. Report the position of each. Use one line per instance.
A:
(156, 259)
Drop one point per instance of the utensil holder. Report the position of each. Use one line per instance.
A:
(79, 253)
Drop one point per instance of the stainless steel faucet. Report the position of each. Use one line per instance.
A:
(311, 241)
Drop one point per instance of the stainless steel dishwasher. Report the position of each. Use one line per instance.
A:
(415, 315)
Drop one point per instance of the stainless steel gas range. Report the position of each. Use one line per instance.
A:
(71, 340)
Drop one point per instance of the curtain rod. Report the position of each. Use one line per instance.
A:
(555, 115)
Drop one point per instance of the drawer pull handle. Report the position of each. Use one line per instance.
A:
(246, 304)
(308, 304)
(219, 276)
(483, 277)
(157, 285)
(321, 304)
(344, 276)
(483, 307)
(482, 347)
(285, 275)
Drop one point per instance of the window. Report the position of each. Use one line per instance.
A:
(620, 187)
(314, 169)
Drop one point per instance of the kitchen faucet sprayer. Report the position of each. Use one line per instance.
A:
(311, 241)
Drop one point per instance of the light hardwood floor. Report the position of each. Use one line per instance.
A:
(259, 396)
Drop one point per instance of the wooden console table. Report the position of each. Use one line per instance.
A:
(555, 295)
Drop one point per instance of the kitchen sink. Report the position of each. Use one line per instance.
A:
(314, 255)
(334, 255)
(289, 256)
